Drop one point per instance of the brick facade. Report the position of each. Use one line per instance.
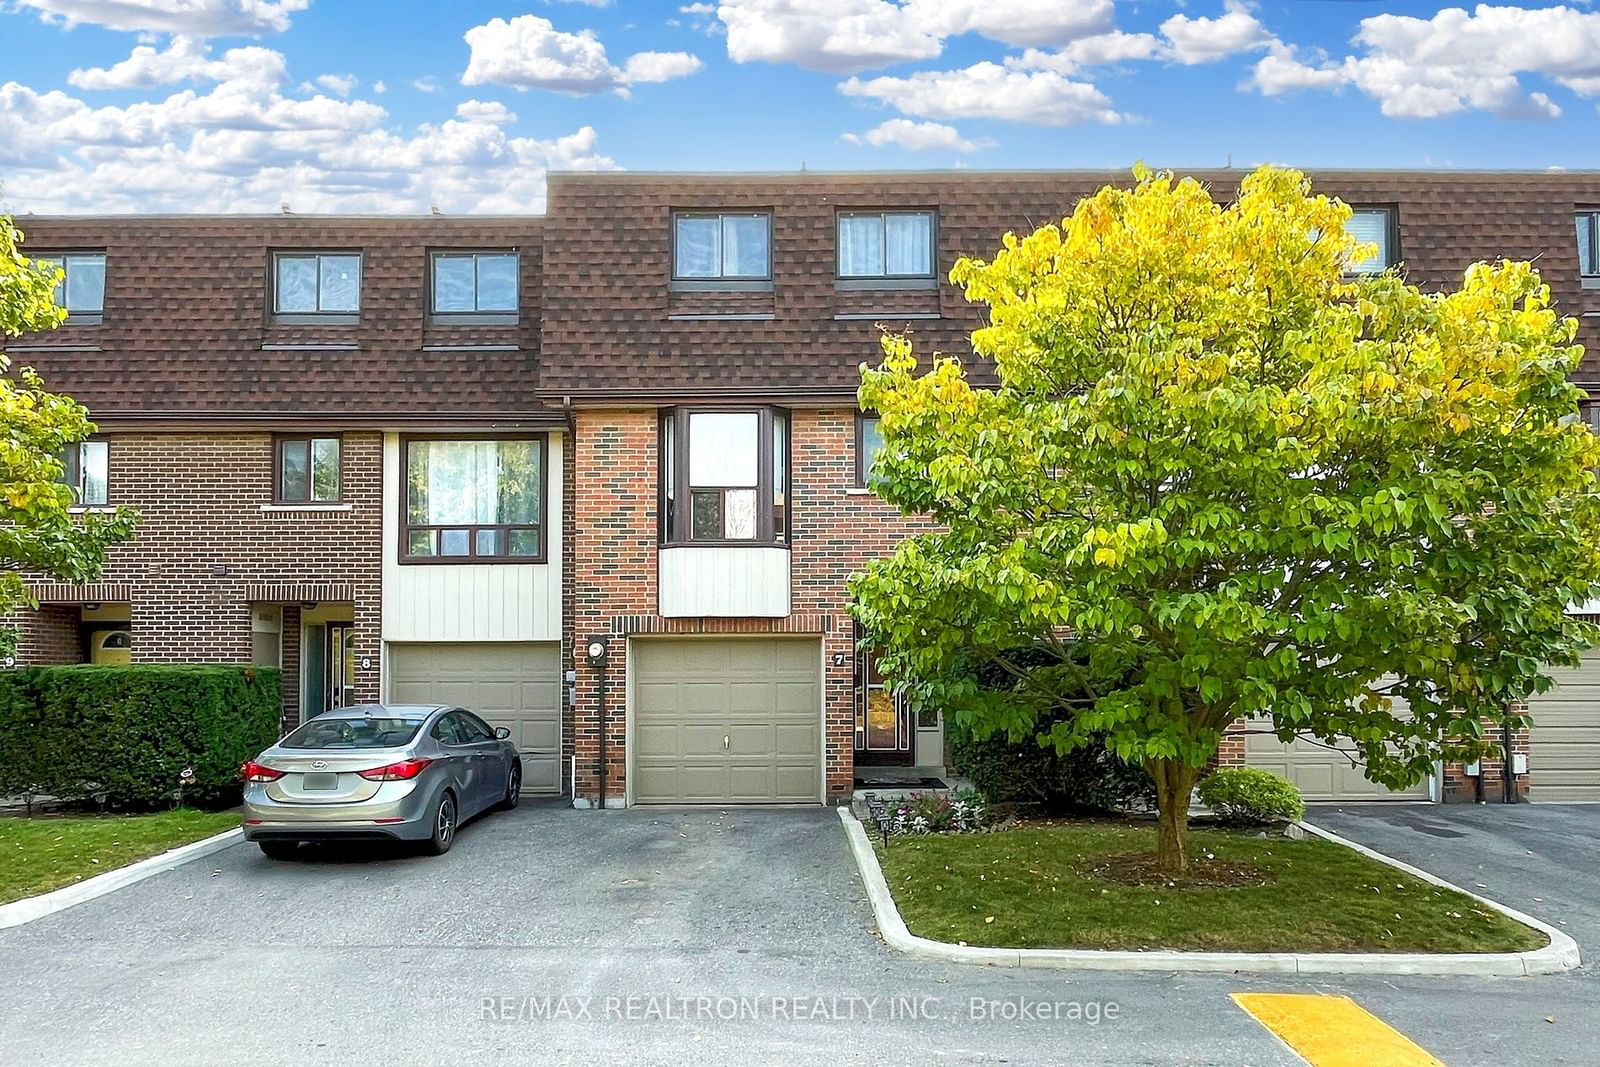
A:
(208, 528)
(52, 634)
(835, 530)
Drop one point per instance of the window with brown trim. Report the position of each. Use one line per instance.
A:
(869, 442)
(473, 500)
(1374, 226)
(308, 470)
(316, 287)
(82, 288)
(86, 470)
(725, 476)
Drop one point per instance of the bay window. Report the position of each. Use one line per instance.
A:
(474, 500)
(725, 476)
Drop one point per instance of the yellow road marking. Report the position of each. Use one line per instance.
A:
(1328, 1031)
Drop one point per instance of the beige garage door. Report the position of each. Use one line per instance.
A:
(726, 721)
(1321, 773)
(517, 686)
(1564, 753)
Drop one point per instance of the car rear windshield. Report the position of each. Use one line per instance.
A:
(353, 733)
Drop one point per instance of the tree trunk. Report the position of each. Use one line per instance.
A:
(1174, 784)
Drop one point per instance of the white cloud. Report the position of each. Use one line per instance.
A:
(1455, 61)
(1100, 50)
(916, 137)
(660, 66)
(839, 36)
(528, 52)
(246, 145)
(338, 84)
(426, 84)
(1015, 22)
(379, 87)
(184, 59)
(848, 36)
(991, 91)
(203, 18)
(1206, 40)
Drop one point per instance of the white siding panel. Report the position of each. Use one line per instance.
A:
(724, 582)
(470, 602)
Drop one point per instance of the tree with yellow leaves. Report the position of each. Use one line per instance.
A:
(1222, 479)
(38, 531)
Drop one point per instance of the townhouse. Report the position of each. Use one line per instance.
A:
(600, 473)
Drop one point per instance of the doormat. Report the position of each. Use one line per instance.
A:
(900, 783)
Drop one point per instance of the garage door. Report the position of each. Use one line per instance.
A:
(722, 721)
(1564, 752)
(517, 686)
(1321, 773)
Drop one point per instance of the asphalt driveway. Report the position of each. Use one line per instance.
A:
(1543, 859)
(678, 919)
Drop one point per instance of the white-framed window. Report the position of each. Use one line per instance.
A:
(474, 283)
(886, 244)
(316, 283)
(713, 246)
(86, 470)
(1373, 226)
(82, 290)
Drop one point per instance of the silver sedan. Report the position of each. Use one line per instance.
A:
(379, 772)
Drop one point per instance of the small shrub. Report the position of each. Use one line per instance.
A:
(123, 735)
(1242, 796)
(956, 812)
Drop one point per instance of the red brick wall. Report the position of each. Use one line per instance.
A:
(203, 535)
(614, 536)
(49, 636)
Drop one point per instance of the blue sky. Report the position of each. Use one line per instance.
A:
(171, 105)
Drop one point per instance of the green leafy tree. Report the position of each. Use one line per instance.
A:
(38, 533)
(1221, 478)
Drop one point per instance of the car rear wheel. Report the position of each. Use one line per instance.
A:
(513, 787)
(444, 826)
(279, 850)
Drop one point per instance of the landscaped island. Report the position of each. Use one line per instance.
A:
(45, 853)
(1093, 885)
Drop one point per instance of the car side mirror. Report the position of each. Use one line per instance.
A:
(502, 732)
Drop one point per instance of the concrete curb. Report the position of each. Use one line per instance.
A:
(28, 909)
(1560, 955)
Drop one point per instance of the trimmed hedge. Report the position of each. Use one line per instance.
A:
(123, 735)
(1245, 796)
(1091, 778)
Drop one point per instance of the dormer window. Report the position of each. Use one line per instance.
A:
(1589, 245)
(82, 289)
(474, 287)
(1373, 226)
(886, 249)
(316, 287)
(722, 250)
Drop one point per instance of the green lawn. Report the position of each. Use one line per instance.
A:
(1046, 887)
(48, 852)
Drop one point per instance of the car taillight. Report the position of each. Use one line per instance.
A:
(255, 772)
(403, 771)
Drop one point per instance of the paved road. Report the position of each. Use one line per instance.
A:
(398, 959)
